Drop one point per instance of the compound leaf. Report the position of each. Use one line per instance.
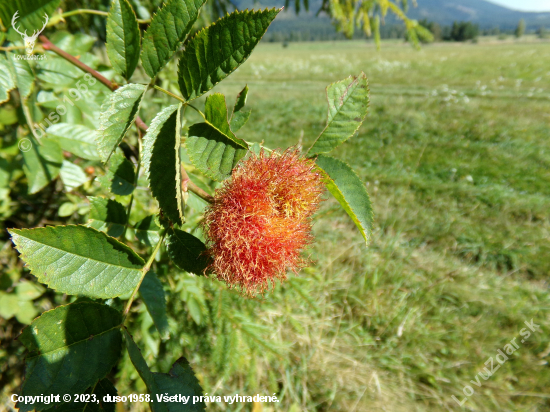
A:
(79, 260)
(123, 38)
(168, 29)
(344, 184)
(216, 51)
(70, 348)
(118, 113)
(161, 161)
(186, 251)
(348, 102)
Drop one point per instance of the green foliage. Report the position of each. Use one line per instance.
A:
(216, 51)
(42, 164)
(78, 260)
(348, 102)
(107, 215)
(169, 28)
(118, 113)
(240, 116)
(103, 388)
(81, 340)
(123, 38)
(462, 31)
(153, 296)
(179, 381)
(520, 29)
(7, 83)
(344, 184)
(147, 231)
(22, 74)
(31, 13)
(186, 251)
(120, 176)
(161, 161)
(75, 138)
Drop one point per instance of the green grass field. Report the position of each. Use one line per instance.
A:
(456, 153)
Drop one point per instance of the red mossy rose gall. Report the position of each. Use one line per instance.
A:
(260, 220)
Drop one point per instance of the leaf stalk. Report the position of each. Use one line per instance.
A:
(146, 269)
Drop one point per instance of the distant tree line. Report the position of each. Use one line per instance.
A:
(318, 30)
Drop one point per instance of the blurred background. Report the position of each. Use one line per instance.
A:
(455, 151)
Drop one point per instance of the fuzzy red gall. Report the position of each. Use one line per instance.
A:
(260, 220)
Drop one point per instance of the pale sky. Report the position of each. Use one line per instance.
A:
(525, 5)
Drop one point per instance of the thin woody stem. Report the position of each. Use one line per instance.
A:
(194, 188)
(146, 269)
(96, 12)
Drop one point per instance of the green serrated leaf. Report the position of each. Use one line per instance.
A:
(107, 215)
(7, 82)
(79, 260)
(72, 175)
(102, 389)
(147, 231)
(22, 74)
(70, 348)
(120, 176)
(212, 152)
(123, 38)
(144, 372)
(215, 111)
(161, 161)
(152, 294)
(30, 13)
(118, 113)
(167, 31)
(75, 138)
(186, 251)
(42, 164)
(181, 380)
(344, 184)
(240, 116)
(348, 102)
(216, 51)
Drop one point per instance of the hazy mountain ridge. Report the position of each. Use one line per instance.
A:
(444, 12)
